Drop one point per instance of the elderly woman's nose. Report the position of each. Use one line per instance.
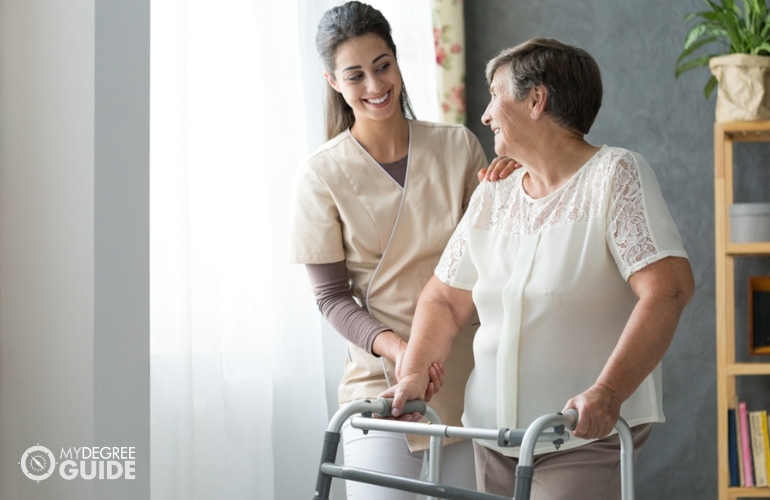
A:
(485, 118)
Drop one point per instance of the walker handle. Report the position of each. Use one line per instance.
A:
(572, 415)
(415, 405)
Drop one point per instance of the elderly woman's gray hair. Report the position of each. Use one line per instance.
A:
(570, 75)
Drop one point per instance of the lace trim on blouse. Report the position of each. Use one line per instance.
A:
(608, 183)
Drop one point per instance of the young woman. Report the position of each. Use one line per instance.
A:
(374, 208)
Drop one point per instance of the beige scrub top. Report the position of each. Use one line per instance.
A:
(348, 208)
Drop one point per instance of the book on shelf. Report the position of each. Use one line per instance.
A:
(758, 431)
(766, 440)
(732, 449)
(739, 447)
(745, 445)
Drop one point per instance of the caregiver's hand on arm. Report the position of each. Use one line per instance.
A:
(388, 345)
(500, 168)
(663, 288)
(392, 347)
(441, 312)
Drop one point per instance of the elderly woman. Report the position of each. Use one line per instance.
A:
(578, 274)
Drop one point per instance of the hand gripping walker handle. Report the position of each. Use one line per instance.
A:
(415, 405)
(572, 416)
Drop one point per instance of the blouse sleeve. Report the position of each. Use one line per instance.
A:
(455, 268)
(640, 229)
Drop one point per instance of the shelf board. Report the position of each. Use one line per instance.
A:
(734, 492)
(749, 368)
(745, 131)
(759, 248)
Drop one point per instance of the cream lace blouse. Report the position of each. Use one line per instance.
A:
(548, 278)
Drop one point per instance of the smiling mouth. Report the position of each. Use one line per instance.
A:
(379, 100)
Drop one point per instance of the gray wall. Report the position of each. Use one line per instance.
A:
(74, 226)
(669, 122)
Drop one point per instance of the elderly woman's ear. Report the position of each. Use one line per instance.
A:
(538, 97)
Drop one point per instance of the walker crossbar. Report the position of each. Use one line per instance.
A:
(503, 437)
(404, 484)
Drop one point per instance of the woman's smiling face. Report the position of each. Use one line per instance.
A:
(504, 114)
(366, 74)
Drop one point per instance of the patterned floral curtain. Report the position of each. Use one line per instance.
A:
(449, 36)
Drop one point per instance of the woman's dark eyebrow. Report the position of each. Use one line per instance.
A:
(350, 68)
(380, 57)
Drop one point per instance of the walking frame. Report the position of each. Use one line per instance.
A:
(527, 438)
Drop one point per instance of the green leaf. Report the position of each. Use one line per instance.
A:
(710, 85)
(695, 63)
(692, 48)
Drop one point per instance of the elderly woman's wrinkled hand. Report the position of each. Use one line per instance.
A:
(598, 411)
(409, 388)
(435, 372)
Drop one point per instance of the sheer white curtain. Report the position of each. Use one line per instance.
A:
(235, 335)
(237, 348)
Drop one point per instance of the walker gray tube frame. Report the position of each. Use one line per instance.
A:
(525, 438)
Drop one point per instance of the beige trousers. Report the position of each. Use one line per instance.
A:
(590, 472)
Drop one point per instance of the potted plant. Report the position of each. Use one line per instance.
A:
(740, 70)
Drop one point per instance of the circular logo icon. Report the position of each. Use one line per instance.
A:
(38, 463)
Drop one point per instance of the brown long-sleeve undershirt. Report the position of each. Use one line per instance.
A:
(335, 301)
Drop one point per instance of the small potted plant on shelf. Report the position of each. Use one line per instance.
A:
(740, 70)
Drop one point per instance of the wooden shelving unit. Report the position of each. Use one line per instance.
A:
(728, 366)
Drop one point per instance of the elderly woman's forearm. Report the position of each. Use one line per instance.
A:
(441, 313)
(639, 350)
(664, 292)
